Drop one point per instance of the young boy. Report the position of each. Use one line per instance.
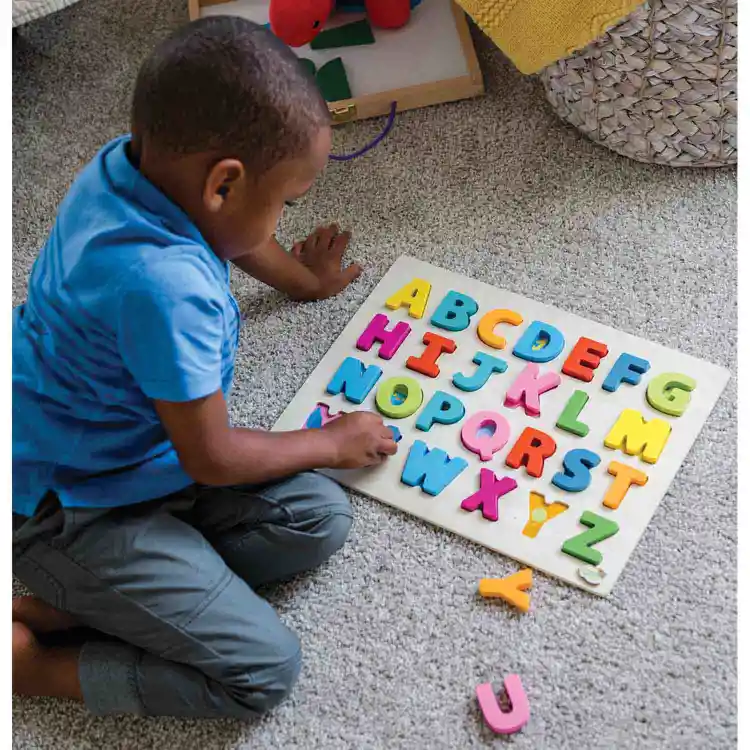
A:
(137, 510)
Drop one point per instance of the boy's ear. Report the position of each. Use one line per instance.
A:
(222, 183)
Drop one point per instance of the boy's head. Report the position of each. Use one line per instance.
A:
(230, 125)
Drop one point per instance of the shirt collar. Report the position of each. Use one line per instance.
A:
(126, 178)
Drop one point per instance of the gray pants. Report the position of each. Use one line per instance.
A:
(172, 580)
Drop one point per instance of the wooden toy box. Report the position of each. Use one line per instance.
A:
(429, 61)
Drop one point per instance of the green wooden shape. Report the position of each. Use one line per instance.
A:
(669, 393)
(399, 397)
(568, 420)
(308, 65)
(350, 35)
(599, 529)
(332, 81)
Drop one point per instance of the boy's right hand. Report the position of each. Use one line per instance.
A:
(359, 439)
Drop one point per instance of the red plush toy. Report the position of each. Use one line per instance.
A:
(298, 22)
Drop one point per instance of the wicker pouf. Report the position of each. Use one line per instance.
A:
(661, 87)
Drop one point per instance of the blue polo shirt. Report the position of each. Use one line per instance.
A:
(126, 304)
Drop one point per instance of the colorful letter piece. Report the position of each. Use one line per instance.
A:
(499, 721)
(626, 369)
(315, 418)
(441, 408)
(320, 416)
(539, 513)
(530, 450)
(432, 469)
(408, 397)
(584, 358)
(634, 436)
(485, 433)
(568, 420)
(486, 327)
(527, 388)
(390, 340)
(454, 312)
(426, 364)
(670, 393)
(580, 546)
(576, 473)
(511, 589)
(541, 342)
(625, 476)
(490, 490)
(413, 295)
(486, 365)
(354, 379)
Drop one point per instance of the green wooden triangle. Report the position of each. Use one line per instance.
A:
(349, 35)
(332, 81)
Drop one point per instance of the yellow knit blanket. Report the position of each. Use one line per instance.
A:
(536, 33)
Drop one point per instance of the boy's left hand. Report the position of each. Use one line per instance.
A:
(323, 254)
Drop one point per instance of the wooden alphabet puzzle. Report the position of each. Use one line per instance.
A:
(537, 433)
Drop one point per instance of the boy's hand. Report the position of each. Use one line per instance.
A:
(215, 454)
(359, 439)
(323, 253)
(312, 270)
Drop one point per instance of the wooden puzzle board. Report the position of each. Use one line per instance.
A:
(600, 413)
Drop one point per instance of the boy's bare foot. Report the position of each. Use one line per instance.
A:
(26, 650)
(38, 671)
(40, 617)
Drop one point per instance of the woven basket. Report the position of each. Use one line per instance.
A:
(661, 87)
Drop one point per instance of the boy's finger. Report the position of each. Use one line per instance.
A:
(340, 243)
(388, 447)
(350, 273)
(324, 235)
(297, 249)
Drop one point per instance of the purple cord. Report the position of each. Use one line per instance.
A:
(373, 143)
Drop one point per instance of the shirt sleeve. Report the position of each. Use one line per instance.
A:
(171, 332)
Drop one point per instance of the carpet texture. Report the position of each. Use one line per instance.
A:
(394, 637)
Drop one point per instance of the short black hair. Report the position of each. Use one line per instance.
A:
(224, 84)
